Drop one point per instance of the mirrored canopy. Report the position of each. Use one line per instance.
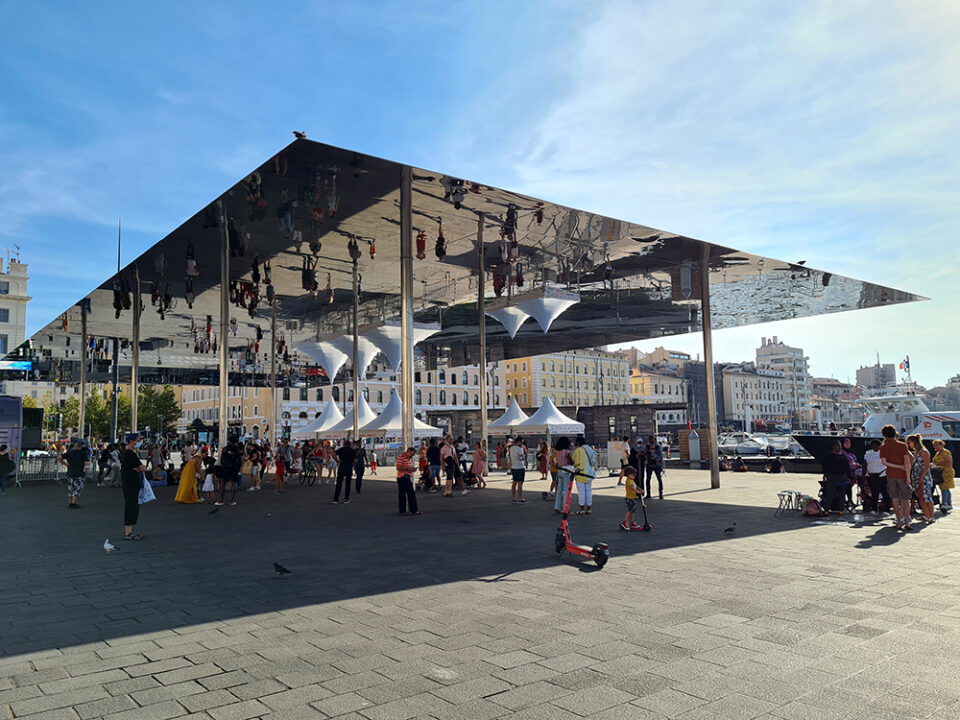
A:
(296, 224)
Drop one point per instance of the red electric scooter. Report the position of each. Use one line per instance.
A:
(599, 553)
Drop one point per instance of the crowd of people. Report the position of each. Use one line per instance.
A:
(893, 476)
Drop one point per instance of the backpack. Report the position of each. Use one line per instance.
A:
(813, 507)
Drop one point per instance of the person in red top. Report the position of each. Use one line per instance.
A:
(896, 458)
(405, 469)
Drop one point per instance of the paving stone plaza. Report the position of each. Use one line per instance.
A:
(466, 611)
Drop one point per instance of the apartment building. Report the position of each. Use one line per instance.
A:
(575, 378)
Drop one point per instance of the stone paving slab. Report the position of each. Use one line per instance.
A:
(466, 611)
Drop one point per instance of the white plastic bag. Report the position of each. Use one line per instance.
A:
(146, 491)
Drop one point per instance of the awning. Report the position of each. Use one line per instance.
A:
(548, 419)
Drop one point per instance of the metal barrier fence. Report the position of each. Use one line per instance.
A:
(30, 469)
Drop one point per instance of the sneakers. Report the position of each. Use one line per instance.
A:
(233, 503)
(334, 502)
(252, 489)
(634, 526)
(347, 501)
(624, 526)
(467, 492)
(218, 503)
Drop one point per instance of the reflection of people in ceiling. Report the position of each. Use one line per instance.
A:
(308, 276)
(255, 197)
(285, 215)
(333, 202)
(192, 270)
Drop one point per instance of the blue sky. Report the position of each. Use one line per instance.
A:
(820, 130)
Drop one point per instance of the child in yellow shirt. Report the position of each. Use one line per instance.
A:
(633, 498)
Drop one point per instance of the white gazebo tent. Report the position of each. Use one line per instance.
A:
(329, 416)
(390, 422)
(550, 421)
(366, 351)
(324, 354)
(505, 424)
(387, 339)
(344, 428)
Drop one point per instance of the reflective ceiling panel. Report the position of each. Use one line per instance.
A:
(294, 223)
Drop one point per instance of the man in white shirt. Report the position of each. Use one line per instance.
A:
(518, 469)
(876, 480)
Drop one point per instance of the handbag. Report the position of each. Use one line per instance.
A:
(937, 472)
(246, 468)
(146, 491)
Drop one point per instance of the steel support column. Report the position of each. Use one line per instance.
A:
(482, 327)
(272, 438)
(135, 364)
(705, 320)
(406, 303)
(356, 351)
(83, 365)
(224, 325)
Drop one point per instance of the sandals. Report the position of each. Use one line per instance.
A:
(133, 536)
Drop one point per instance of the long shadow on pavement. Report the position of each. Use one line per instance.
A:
(59, 588)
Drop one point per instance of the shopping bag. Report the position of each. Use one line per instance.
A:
(146, 491)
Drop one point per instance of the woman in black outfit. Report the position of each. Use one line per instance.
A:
(130, 480)
(836, 470)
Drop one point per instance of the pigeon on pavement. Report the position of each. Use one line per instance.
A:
(281, 570)
(108, 546)
(732, 529)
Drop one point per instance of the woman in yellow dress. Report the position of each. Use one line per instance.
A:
(187, 490)
(944, 459)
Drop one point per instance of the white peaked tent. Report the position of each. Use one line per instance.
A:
(505, 424)
(344, 428)
(544, 304)
(329, 416)
(387, 339)
(549, 306)
(510, 317)
(366, 351)
(326, 355)
(549, 420)
(390, 422)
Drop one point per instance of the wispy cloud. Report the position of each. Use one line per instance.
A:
(821, 131)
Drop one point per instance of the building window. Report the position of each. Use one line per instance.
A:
(453, 378)
(524, 398)
(524, 367)
(286, 393)
(453, 398)
(476, 399)
(612, 425)
(466, 398)
(475, 380)
(429, 398)
(319, 394)
(4, 315)
(443, 397)
(256, 411)
(4, 287)
(366, 393)
(379, 396)
(303, 394)
(464, 379)
(416, 397)
(335, 393)
(442, 380)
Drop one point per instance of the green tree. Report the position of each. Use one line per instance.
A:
(29, 402)
(158, 408)
(97, 416)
